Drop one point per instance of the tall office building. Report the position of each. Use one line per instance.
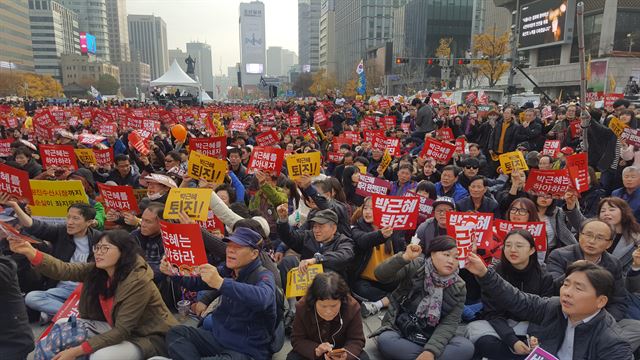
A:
(309, 34)
(92, 18)
(179, 56)
(54, 32)
(118, 31)
(327, 41)
(148, 39)
(274, 61)
(360, 25)
(201, 52)
(15, 36)
(289, 59)
(252, 42)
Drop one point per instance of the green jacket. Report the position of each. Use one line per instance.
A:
(274, 195)
(409, 275)
(139, 314)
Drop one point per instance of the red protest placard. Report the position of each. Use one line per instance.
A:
(551, 148)
(464, 235)
(426, 205)
(388, 122)
(137, 142)
(384, 104)
(481, 224)
(335, 157)
(440, 151)
(104, 157)
(58, 155)
(15, 182)
(471, 97)
(393, 146)
(119, 198)
(319, 117)
(353, 135)
(370, 134)
(5, 147)
(631, 136)
(267, 159)
(339, 141)
(575, 129)
(460, 145)
(90, 139)
(444, 134)
(537, 229)
(399, 212)
(238, 125)
(378, 142)
(108, 129)
(609, 99)
(369, 185)
(216, 147)
(268, 138)
(293, 131)
(183, 248)
(453, 110)
(68, 309)
(554, 182)
(212, 224)
(368, 122)
(406, 127)
(578, 165)
(294, 120)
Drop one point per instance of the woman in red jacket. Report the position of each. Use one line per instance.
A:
(328, 324)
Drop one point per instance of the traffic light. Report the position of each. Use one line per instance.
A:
(400, 60)
(432, 61)
(464, 61)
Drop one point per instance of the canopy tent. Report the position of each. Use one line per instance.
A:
(175, 77)
(204, 97)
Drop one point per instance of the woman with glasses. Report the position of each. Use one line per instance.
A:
(120, 305)
(499, 336)
(171, 160)
(373, 247)
(558, 233)
(617, 213)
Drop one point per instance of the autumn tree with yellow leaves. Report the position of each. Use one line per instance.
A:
(323, 83)
(29, 84)
(493, 49)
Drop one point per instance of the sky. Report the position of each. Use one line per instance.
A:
(216, 23)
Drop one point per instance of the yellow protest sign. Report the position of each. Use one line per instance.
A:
(53, 198)
(319, 131)
(363, 169)
(386, 160)
(617, 126)
(194, 202)
(206, 168)
(86, 156)
(303, 164)
(512, 161)
(297, 282)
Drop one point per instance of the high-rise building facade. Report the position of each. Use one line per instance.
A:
(54, 32)
(252, 42)
(148, 39)
(134, 78)
(327, 42)
(309, 34)
(289, 59)
(118, 30)
(15, 36)
(360, 25)
(274, 61)
(92, 18)
(179, 56)
(201, 52)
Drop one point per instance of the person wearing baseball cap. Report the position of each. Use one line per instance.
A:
(243, 324)
(437, 225)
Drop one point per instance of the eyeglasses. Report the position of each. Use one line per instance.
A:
(471, 167)
(590, 237)
(101, 249)
(519, 211)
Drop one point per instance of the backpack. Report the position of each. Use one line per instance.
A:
(278, 335)
(62, 336)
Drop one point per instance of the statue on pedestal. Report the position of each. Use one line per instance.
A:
(190, 65)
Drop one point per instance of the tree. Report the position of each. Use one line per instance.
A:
(444, 49)
(492, 48)
(322, 83)
(349, 88)
(107, 85)
(374, 79)
(29, 84)
(302, 84)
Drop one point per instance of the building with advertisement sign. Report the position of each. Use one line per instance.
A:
(148, 42)
(87, 43)
(548, 44)
(252, 42)
(92, 18)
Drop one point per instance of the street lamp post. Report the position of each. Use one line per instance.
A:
(515, 31)
(630, 37)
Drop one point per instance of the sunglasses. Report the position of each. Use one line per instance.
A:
(471, 167)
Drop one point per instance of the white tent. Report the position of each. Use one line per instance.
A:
(175, 77)
(204, 97)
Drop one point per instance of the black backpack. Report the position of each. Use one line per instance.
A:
(278, 334)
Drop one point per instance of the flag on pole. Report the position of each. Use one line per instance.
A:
(95, 93)
(362, 79)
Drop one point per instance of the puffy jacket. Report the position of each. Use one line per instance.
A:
(457, 192)
(598, 339)
(366, 238)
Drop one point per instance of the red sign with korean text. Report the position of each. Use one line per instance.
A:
(267, 159)
(293, 131)
(212, 224)
(444, 134)
(319, 117)
(183, 248)
(631, 136)
(239, 126)
(551, 148)
(119, 198)
(426, 205)
(68, 309)
(460, 145)
(554, 182)
(575, 129)
(384, 104)
(295, 121)
(609, 99)
(339, 141)
(108, 129)
(398, 212)
(5, 147)
(353, 135)
(335, 157)
(104, 157)
(440, 151)
(537, 229)
(470, 229)
(388, 122)
(58, 155)
(370, 134)
(15, 182)
(268, 138)
(216, 147)
(578, 165)
(90, 139)
(369, 185)
(137, 142)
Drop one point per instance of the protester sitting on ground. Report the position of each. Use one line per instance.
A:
(470, 169)
(512, 190)
(404, 183)
(119, 303)
(350, 179)
(617, 213)
(318, 196)
(630, 192)
(158, 187)
(69, 242)
(574, 325)
(373, 246)
(268, 198)
(596, 236)
(123, 174)
(23, 160)
(16, 337)
(479, 199)
(499, 335)
(327, 322)
(437, 225)
(558, 234)
(448, 185)
(429, 291)
(428, 171)
(243, 323)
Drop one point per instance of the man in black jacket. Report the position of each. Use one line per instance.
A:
(16, 338)
(572, 326)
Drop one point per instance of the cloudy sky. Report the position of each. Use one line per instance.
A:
(216, 23)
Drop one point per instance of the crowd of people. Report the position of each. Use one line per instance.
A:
(579, 298)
